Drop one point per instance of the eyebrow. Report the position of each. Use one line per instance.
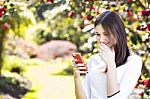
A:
(99, 33)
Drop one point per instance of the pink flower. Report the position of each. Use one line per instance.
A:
(1, 14)
(6, 26)
(145, 12)
(129, 0)
(83, 26)
(147, 83)
(71, 14)
(2, 10)
(50, 1)
(89, 17)
(91, 7)
(148, 27)
(141, 94)
(138, 27)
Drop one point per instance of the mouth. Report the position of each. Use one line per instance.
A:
(107, 44)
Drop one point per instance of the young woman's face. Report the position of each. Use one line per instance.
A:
(103, 37)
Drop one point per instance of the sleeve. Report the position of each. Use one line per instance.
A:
(129, 78)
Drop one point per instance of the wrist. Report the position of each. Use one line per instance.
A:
(76, 77)
(111, 65)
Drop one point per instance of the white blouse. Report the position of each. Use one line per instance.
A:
(95, 83)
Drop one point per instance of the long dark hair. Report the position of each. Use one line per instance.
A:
(112, 23)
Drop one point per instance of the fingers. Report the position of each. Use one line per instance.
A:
(104, 47)
(78, 65)
(83, 72)
(82, 68)
(79, 69)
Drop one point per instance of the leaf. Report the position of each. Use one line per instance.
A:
(134, 40)
(139, 38)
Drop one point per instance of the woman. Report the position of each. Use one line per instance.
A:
(114, 71)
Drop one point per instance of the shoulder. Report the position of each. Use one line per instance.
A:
(134, 61)
(134, 58)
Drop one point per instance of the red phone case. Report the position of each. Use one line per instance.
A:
(78, 58)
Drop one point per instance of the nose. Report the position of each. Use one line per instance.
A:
(102, 39)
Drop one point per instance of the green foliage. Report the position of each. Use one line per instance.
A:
(61, 28)
(13, 17)
(14, 64)
(19, 65)
(15, 87)
(66, 71)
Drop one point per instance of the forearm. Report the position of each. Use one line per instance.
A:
(112, 83)
(79, 92)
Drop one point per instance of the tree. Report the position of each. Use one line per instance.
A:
(11, 19)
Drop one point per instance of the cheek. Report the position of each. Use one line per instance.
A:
(97, 39)
(113, 40)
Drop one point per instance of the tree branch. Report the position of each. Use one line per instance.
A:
(139, 3)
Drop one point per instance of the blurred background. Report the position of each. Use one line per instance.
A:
(37, 38)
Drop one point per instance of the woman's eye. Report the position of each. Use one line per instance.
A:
(97, 34)
(106, 34)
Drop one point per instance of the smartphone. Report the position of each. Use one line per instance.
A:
(78, 58)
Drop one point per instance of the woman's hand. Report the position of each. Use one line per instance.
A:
(79, 69)
(107, 54)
